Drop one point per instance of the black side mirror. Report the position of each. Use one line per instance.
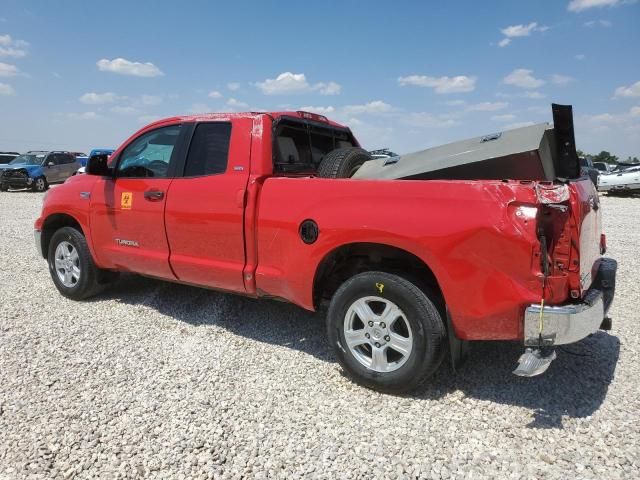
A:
(97, 165)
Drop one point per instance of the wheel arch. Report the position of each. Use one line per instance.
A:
(53, 223)
(350, 259)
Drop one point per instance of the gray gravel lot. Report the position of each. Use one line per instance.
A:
(167, 381)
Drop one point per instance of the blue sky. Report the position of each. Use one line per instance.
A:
(404, 75)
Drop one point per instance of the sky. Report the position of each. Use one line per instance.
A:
(403, 75)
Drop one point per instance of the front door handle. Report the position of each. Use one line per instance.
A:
(153, 195)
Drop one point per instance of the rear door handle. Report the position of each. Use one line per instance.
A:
(153, 195)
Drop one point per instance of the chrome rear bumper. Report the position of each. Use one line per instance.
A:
(562, 324)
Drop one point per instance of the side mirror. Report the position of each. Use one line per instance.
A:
(97, 165)
(50, 164)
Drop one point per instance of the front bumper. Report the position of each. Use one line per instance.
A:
(562, 324)
(16, 181)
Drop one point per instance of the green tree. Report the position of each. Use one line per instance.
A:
(605, 156)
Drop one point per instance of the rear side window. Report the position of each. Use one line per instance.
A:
(209, 150)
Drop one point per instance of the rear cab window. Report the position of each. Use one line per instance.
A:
(300, 145)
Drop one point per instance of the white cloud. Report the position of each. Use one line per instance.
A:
(601, 22)
(151, 100)
(427, 120)
(515, 125)
(126, 67)
(292, 83)
(487, 106)
(124, 110)
(519, 30)
(507, 117)
(523, 78)
(7, 70)
(580, 5)
(534, 95)
(93, 98)
(6, 89)
(460, 83)
(580, 56)
(12, 48)
(630, 91)
(233, 86)
(320, 110)
(455, 103)
(635, 111)
(215, 94)
(558, 79)
(83, 116)
(377, 106)
(232, 102)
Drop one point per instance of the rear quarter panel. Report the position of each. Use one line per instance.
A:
(473, 235)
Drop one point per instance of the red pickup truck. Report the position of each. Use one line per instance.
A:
(411, 269)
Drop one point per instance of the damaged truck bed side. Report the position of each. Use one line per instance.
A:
(536, 152)
(259, 204)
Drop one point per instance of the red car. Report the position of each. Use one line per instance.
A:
(259, 204)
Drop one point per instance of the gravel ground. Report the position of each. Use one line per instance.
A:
(167, 381)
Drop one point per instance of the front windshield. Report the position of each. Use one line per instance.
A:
(28, 159)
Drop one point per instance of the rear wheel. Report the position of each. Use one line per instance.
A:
(387, 333)
(342, 162)
(40, 184)
(72, 269)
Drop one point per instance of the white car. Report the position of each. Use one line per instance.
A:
(627, 181)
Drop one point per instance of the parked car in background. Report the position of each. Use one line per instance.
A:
(37, 170)
(94, 153)
(6, 157)
(587, 169)
(621, 182)
(603, 167)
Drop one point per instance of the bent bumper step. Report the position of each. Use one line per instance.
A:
(562, 324)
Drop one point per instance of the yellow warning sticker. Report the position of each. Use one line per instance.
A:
(126, 200)
(380, 287)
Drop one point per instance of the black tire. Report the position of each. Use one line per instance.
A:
(427, 328)
(40, 184)
(342, 162)
(91, 279)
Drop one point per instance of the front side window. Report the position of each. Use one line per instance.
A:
(209, 150)
(150, 154)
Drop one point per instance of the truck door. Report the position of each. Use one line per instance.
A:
(205, 208)
(127, 211)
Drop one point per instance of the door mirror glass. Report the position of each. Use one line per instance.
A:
(97, 165)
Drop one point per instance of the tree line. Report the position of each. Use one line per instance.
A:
(607, 157)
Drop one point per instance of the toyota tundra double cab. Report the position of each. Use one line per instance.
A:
(286, 205)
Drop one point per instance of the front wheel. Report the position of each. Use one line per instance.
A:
(40, 184)
(72, 269)
(386, 332)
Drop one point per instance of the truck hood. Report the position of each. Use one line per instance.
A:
(536, 152)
